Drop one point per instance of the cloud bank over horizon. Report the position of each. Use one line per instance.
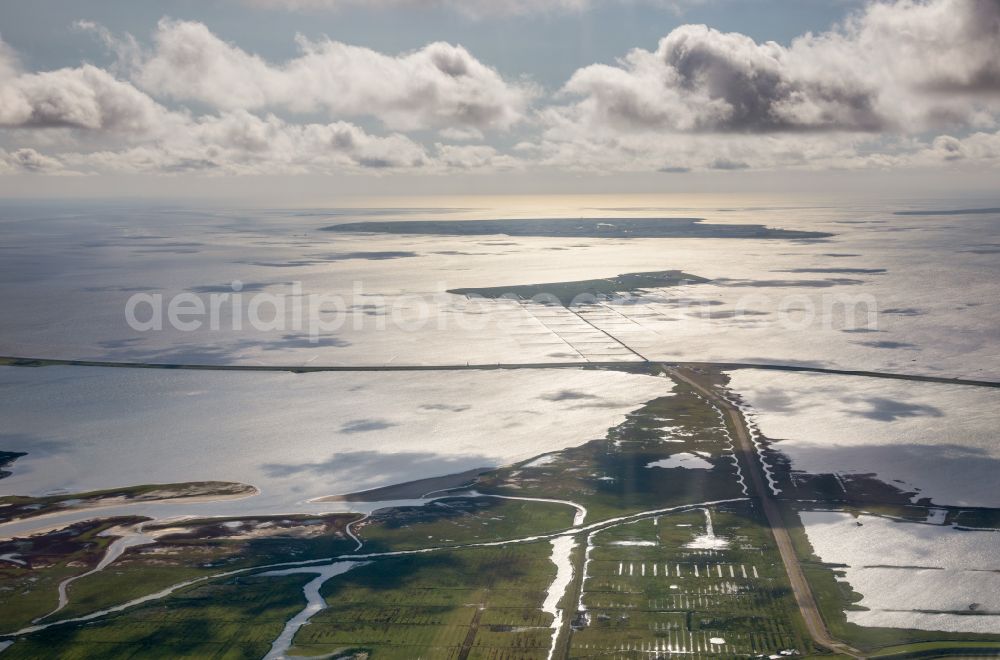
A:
(909, 83)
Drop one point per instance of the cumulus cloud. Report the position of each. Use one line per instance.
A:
(84, 97)
(135, 133)
(474, 157)
(682, 152)
(685, 152)
(860, 95)
(28, 161)
(978, 147)
(124, 129)
(867, 93)
(937, 45)
(239, 142)
(700, 79)
(903, 66)
(440, 85)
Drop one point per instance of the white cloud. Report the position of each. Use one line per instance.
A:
(865, 95)
(679, 153)
(28, 161)
(937, 45)
(903, 66)
(125, 130)
(699, 79)
(474, 157)
(610, 151)
(929, 63)
(135, 133)
(238, 142)
(84, 97)
(844, 98)
(438, 86)
(978, 147)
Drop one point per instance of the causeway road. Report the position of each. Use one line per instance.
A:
(800, 586)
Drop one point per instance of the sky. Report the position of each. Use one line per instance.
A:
(296, 98)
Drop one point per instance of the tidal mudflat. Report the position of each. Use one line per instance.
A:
(77, 266)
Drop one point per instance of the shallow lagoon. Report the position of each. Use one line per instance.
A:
(294, 436)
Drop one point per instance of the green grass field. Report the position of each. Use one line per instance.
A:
(452, 521)
(231, 619)
(30, 591)
(664, 597)
(474, 603)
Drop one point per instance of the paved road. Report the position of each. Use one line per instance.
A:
(800, 586)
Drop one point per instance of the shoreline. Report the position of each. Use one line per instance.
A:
(73, 511)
